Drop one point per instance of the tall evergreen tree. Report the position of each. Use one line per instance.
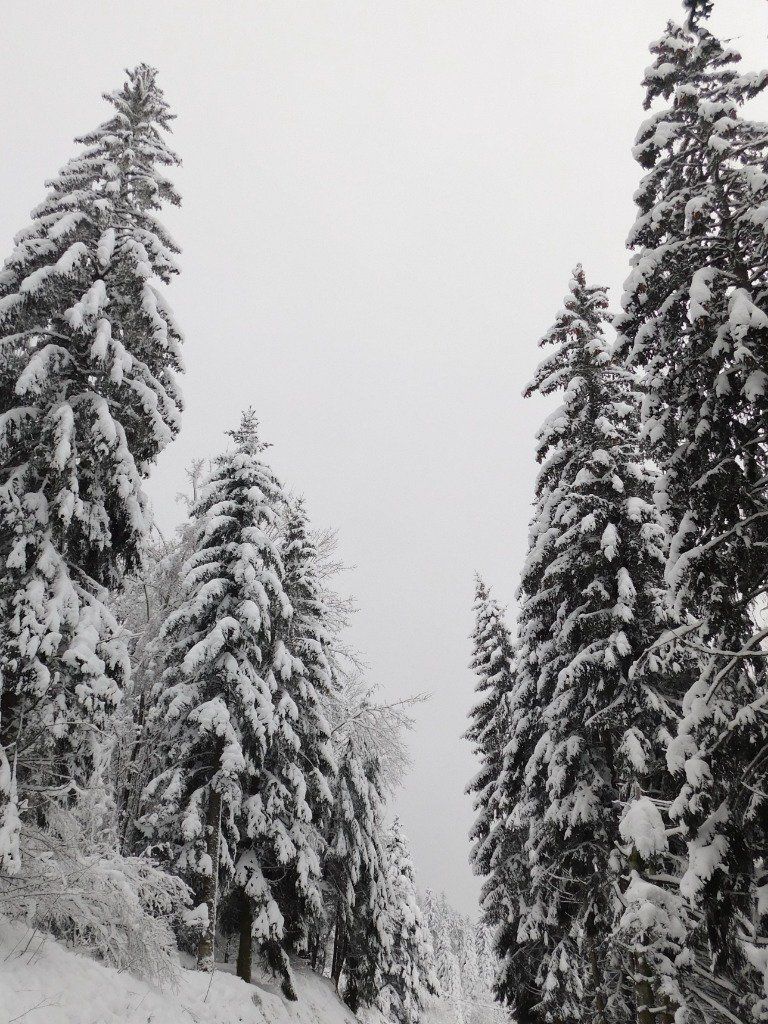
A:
(301, 757)
(289, 800)
(464, 963)
(494, 847)
(445, 926)
(486, 1008)
(410, 979)
(695, 320)
(217, 700)
(492, 664)
(438, 915)
(355, 870)
(582, 724)
(88, 354)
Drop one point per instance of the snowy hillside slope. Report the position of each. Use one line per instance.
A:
(42, 982)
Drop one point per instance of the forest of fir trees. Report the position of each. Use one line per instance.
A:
(621, 826)
(191, 759)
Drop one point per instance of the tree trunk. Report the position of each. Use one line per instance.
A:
(313, 951)
(642, 979)
(279, 964)
(668, 1013)
(643, 994)
(339, 951)
(130, 794)
(597, 981)
(245, 949)
(320, 945)
(205, 947)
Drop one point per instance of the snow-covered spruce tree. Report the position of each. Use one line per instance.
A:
(355, 871)
(410, 979)
(586, 727)
(454, 992)
(300, 760)
(492, 664)
(469, 967)
(439, 917)
(289, 802)
(88, 352)
(464, 963)
(444, 927)
(504, 893)
(482, 999)
(695, 320)
(217, 702)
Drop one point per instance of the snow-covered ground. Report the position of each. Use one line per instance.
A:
(41, 982)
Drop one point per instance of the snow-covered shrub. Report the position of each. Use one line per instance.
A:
(74, 884)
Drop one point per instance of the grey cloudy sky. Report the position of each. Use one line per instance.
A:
(382, 205)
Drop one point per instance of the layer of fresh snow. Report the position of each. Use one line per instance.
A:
(42, 982)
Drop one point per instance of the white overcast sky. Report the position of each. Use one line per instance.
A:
(382, 205)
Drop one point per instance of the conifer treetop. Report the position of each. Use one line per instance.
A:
(697, 9)
(246, 435)
(141, 93)
(577, 337)
(90, 348)
(694, 303)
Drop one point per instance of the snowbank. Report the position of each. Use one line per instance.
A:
(41, 982)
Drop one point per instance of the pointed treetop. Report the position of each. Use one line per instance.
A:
(481, 589)
(141, 113)
(297, 511)
(577, 335)
(142, 95)
(142, 77)
(246, 436)
(697, 9)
